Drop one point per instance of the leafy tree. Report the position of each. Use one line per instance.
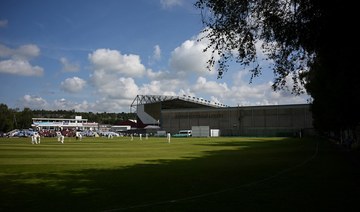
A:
(6, 118)
(309, 41)
(24, 118)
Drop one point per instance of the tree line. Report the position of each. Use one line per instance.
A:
(22, 119)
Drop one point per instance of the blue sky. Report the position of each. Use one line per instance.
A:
(97, 55)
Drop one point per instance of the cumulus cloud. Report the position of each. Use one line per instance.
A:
(243, 93)
(159, 75)
(240, 92)
(210, 87)
(73, 85)
(24, 52)
(27, 52)
(119, 88)
(33, 102)
(16, 61)
(112, 61)
(100, 105)
(84, 106)
(112, 86)
(117, 78)
(162, 87)
(113, 77)
(112, 105)
(20, 67)
(190, 57)
(63, 104)
(69, 67)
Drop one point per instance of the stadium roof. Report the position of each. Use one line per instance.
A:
(174, 102)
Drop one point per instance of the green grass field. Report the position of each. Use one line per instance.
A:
(188, 174)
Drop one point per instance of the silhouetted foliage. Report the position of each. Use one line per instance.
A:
(6, 118)
(308, 41)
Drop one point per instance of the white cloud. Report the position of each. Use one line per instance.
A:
(112, 61)
(63, 104)
(112, 78)
(157, 52)
(159, 75)
(170, 3)
(189, 60)
(24, 52)
(111, 105)
(190, 57)
(210, 87)
(20, 67)
(115, 88)
(17, 60)
(69, 67)
(156, 56)
(73, 85)
(119, 88)
(33, 102)
(239, 91)
(102, 105)
(27, 52)
(3, 23)
(162, 87)
(85, 106)
(243, 93)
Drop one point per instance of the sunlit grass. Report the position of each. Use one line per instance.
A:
(19, 155)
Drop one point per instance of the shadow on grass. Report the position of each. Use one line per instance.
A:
(226, 180)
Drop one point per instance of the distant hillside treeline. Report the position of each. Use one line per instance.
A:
(16, 119)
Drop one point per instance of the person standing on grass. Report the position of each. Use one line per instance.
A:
(60, 137)
(78, 136)
(37, 137)
(168, 137)
(33, 139)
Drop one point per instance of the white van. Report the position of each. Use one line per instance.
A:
(184, 133)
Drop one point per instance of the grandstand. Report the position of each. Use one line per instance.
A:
(148, 107)
(175, 113)
(78, 123)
